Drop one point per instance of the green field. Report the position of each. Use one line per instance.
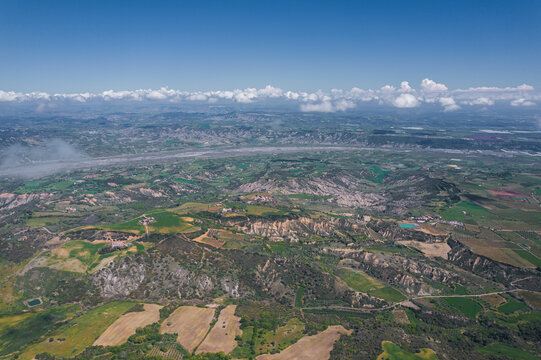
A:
(16, 331)
(528, 256)
(362, 282)
(299, 294)
(166, 222)
(132, 226)
(501, 350)
(79, 332)
(170, 223)
(391, 351)
(466, 306)
(471, 208)
(511, 306)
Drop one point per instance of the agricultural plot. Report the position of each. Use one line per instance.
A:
(171, 352)
(82, 256)
(222, 335)
(533, 299)
(125, 326)
(192, 207)
(221, 238)
(263, 211)
(529, 257)
(511, 306)
(279, 339)
(494, 300)
(429, 249)
(170, 223)
(17, 330)
(165, 222)
(465, 210)
(508, 352)
(75, 336)
(391, 351)
(400, 316)
(359, 281)
(190, 323)
(466, 306)
(315, 347)
(489, 244)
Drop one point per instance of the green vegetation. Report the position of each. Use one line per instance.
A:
(79, 332)
(525, 254)
(502, 350)
(78, 256)
(170, 223)
(466, 306)
(380, 174)
(360, 281)
(463, 210)
(263, 211)
(299, 294)
(511, 306)
(391, 351)
(17, 331)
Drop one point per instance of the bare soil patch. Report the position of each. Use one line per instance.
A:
(315, 347)
(400, 316)
(190, 323)
(429, 249)
(125, 326)
(222, 336)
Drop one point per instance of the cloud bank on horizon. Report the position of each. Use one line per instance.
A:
(404, 96)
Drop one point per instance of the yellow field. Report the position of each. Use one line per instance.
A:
(429, 249)
(190, 323)
(125, 326)
(209, 240)
(222, 336)
(315, 347)
(192, 207)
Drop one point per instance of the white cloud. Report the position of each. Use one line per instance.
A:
(10, 96)
(448, 104)
(197, 97)
(479, 101)
(406, 101)
(405, 87)
(325, 106)
(522, 102)
(404, 96)
(432, 86)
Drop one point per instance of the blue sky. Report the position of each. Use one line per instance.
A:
(76, 46)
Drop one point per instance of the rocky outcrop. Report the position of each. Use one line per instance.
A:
(407, 274)
(296, 228)
(158, 277)
(343, 190)
(10, 201)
